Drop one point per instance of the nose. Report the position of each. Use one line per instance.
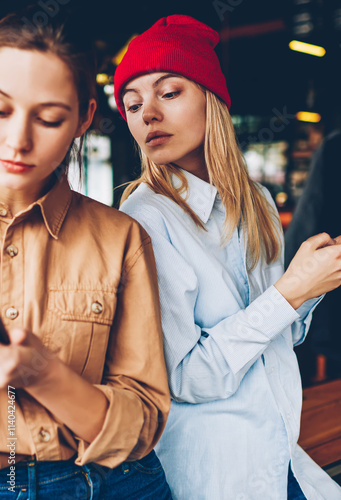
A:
(19, 137)
(151, 112)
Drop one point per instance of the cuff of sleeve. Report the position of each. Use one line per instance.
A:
(120, 432)
(300, 329)
(269, 314)
(308, 306)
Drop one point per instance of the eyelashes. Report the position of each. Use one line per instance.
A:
(171, 95)
(134, 108)
(45, 123)
(167, 96)
(50, 124)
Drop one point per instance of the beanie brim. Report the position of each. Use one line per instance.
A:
(177, 44)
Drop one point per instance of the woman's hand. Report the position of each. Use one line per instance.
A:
(25, 362)
(314, 270)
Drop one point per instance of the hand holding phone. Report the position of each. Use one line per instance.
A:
(4, 338)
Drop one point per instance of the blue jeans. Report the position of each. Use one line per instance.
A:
(63, 480)
(294, 490)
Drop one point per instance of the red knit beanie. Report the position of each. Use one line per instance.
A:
(178, 44)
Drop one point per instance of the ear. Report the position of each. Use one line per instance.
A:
(85, 124)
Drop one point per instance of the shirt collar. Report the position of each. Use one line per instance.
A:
(53, 206)
(200, 195)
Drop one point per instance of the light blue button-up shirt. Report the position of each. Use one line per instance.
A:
(228, 340)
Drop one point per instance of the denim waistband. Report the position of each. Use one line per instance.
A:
(143, 479)
(46, 471)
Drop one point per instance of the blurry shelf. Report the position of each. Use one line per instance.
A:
(302, 154)
(321, 424)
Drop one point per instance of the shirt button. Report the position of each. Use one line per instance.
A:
(97, 308)
(44, 435)
(3, 212)
(12, 313)
(12, 250)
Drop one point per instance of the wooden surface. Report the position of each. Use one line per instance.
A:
(321, 422)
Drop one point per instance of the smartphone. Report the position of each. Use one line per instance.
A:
(4, 339)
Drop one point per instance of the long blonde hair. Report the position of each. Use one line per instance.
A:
(227, 171)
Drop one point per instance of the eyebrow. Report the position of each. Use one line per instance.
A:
(56, 104)
(4, 94)
(44, 104)
(155, 84)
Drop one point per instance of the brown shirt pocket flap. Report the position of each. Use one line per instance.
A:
(96, 306)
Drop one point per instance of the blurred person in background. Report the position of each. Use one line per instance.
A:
(318, 209)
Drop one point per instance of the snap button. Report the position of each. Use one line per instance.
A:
(3, 212)
(12, 313)
(12, 250)
(125, 468)
(44, 435)
(96, 307)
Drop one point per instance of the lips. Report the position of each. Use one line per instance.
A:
(19, 163)
(157, 134)
(16, 166)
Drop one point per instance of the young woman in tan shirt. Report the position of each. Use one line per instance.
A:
(83, 388)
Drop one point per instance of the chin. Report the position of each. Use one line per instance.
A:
(12, 184)
(160, 157)
(163, 159)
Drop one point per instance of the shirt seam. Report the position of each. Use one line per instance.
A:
(59, 222)
(132, 261)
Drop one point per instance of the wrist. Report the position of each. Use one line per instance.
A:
(285, 287)
(47, 376)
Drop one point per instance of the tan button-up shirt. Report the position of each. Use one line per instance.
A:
(82, 277)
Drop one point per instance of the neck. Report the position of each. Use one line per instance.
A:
(201, 173)
(195, 164)
(19, 199)
(16, 201)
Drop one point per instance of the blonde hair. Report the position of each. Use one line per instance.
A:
(227, 171)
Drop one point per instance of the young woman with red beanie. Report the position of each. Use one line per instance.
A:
(81, 403)
(230, 317)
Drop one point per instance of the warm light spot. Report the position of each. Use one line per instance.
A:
(102, 79)
(121, 53)
(306, 116)
(281, 198)
(307, 48)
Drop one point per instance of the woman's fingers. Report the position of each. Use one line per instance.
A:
(319, 241)
(338, 240)
(315, 269)
(24, 361)
(18, 336)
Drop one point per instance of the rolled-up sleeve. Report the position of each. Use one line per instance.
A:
(135, 380)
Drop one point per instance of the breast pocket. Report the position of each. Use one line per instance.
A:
(79, 327)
